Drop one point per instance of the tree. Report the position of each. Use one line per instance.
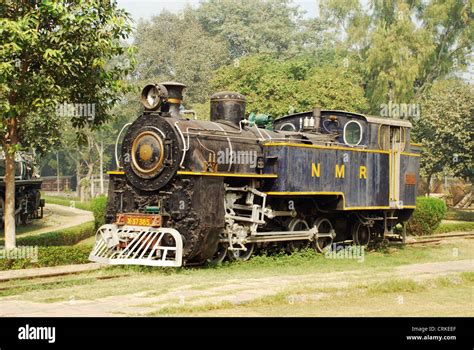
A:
(446, 129)
(252, 26)
(278, 87)
(347, 22)
(175, 47)
(451, 30)
(55, 52)
(394, 59)
(403, 46)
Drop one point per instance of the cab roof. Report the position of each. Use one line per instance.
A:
(368, 118)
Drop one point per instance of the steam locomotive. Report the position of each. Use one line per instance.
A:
(28, 202)
(190, 191)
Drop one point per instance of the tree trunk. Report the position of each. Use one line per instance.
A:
(57, 171)
(101, 166)
(92, 187)
(78, 178)
(465, 202)
(429, 184)
(86, 184)
(80, 190)
(9, 214)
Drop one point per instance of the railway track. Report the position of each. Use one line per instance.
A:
(437, 238)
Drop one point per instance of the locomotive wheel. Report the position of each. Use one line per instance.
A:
(324, 237)
(241, 255)
(297, 225)
(360, 234)
(25, 218)
(219, 255)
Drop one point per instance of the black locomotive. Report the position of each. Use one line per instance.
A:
(188, 191)
(28, 202)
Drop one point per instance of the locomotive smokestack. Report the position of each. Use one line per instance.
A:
(175, 97)
(229, 106)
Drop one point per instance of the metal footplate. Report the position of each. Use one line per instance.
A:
(137, 245)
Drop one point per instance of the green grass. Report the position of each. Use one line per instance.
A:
(395, 286)
(459, 215)
(454, 226)
(156, 281)
(310, 301)
(68, 202)
(468, 276)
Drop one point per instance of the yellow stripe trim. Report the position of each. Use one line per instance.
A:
(202, 173)
(370, 208)
(304, 193)
(396, 174)
(174, 100)
(390, 178)
(116, 172)
(410, 154)
(416, 144)
(330, 194)
(278, 144)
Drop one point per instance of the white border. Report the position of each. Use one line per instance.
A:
(344, 133)
(286, 124)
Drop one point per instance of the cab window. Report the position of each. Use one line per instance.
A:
(352, 133)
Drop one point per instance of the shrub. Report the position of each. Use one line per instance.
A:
(68, 236)
(50, 256)
(427, 216)
(99, 206)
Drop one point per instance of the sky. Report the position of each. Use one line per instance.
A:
(147, 8)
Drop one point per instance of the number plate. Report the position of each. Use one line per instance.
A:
(139, 220)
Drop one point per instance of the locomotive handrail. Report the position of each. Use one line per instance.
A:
(186, 146)
(272, 139)
(116, 145)
(185, 149)
(264, 141)
(230, 146)
(336, 144)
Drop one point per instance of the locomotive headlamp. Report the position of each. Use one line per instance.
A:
(153, 95)
(147, 154)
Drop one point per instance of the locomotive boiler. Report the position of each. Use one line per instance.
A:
(190, 191)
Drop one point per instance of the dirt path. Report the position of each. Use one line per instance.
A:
(229, 290)
(57, 217)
